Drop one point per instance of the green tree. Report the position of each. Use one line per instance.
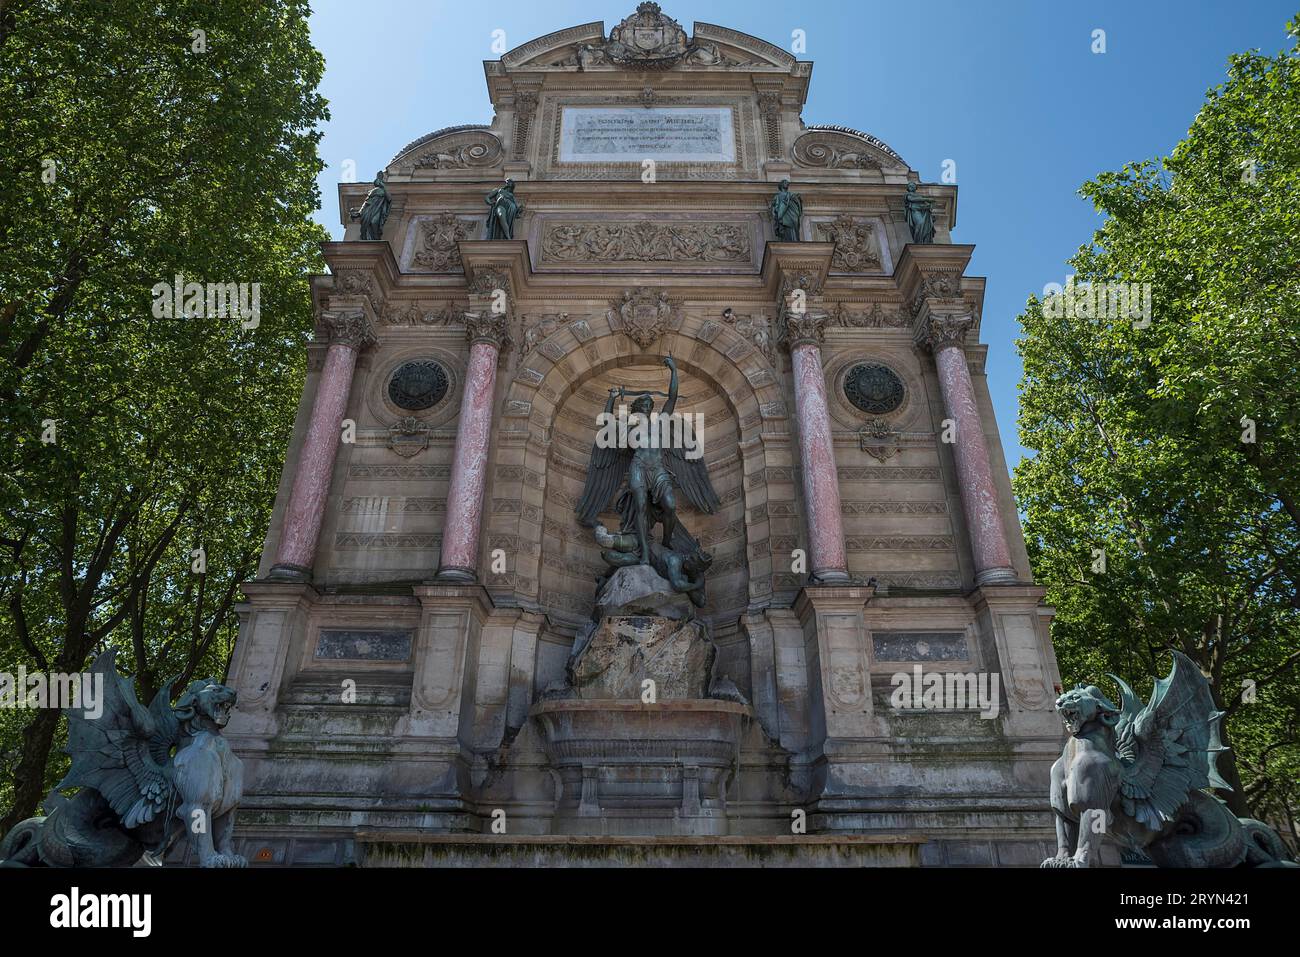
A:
(1170, 449)
(141, 142)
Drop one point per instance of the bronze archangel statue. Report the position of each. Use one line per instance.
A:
(653, 470)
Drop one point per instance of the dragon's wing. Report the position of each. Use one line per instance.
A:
(605, 472)
(693, 478)
(1168, 748)
(118, 754)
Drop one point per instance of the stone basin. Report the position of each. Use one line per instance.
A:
(627, 767)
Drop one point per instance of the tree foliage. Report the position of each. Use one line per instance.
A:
(1172, 448)
(142, 141)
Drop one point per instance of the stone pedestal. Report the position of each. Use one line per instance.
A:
(637, 741)
(631, 768)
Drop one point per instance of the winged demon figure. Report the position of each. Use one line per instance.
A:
(1136, 774)
(147, 778)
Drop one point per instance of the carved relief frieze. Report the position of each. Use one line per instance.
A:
(877, 317)
(407, 313)
(646, 241)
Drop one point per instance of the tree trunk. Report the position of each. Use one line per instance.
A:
(29, 776)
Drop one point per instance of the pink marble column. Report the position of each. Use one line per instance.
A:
(979, 497)
(349, 333)
(460, 533)
(821, 484)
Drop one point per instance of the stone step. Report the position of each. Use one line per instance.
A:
(394, 848)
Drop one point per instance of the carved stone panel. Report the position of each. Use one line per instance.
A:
(646, 241)
(434, 248)
(855, 244)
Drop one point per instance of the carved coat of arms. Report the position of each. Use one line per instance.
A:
(648, 38)
(644, 314)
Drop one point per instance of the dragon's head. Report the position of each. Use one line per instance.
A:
(205, 705)
(1083, 705)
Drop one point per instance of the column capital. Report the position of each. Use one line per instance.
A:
(490, 327)
(802, 320)
(936, 331)
(490, 287)
(348, 327)
(803, 329)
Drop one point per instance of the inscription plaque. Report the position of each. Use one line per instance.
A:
(689, 134)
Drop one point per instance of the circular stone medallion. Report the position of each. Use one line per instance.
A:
(874, 388)
(417, 385)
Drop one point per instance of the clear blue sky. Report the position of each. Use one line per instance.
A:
(1009, 90)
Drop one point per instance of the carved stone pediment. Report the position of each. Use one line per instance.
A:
(650, 40)
(834, 149)
(644, 314)
(461, 149)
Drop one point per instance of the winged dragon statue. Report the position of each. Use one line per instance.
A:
(147, 777)
(653, 472)
(1135, 773)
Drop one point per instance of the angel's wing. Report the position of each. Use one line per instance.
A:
(605, 473)
(1170, 747)
(693, 479)
(122, 754)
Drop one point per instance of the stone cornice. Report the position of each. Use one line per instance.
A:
(371, 276)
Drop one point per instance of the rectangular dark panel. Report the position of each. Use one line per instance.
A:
(919, 646)
(369, 645)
